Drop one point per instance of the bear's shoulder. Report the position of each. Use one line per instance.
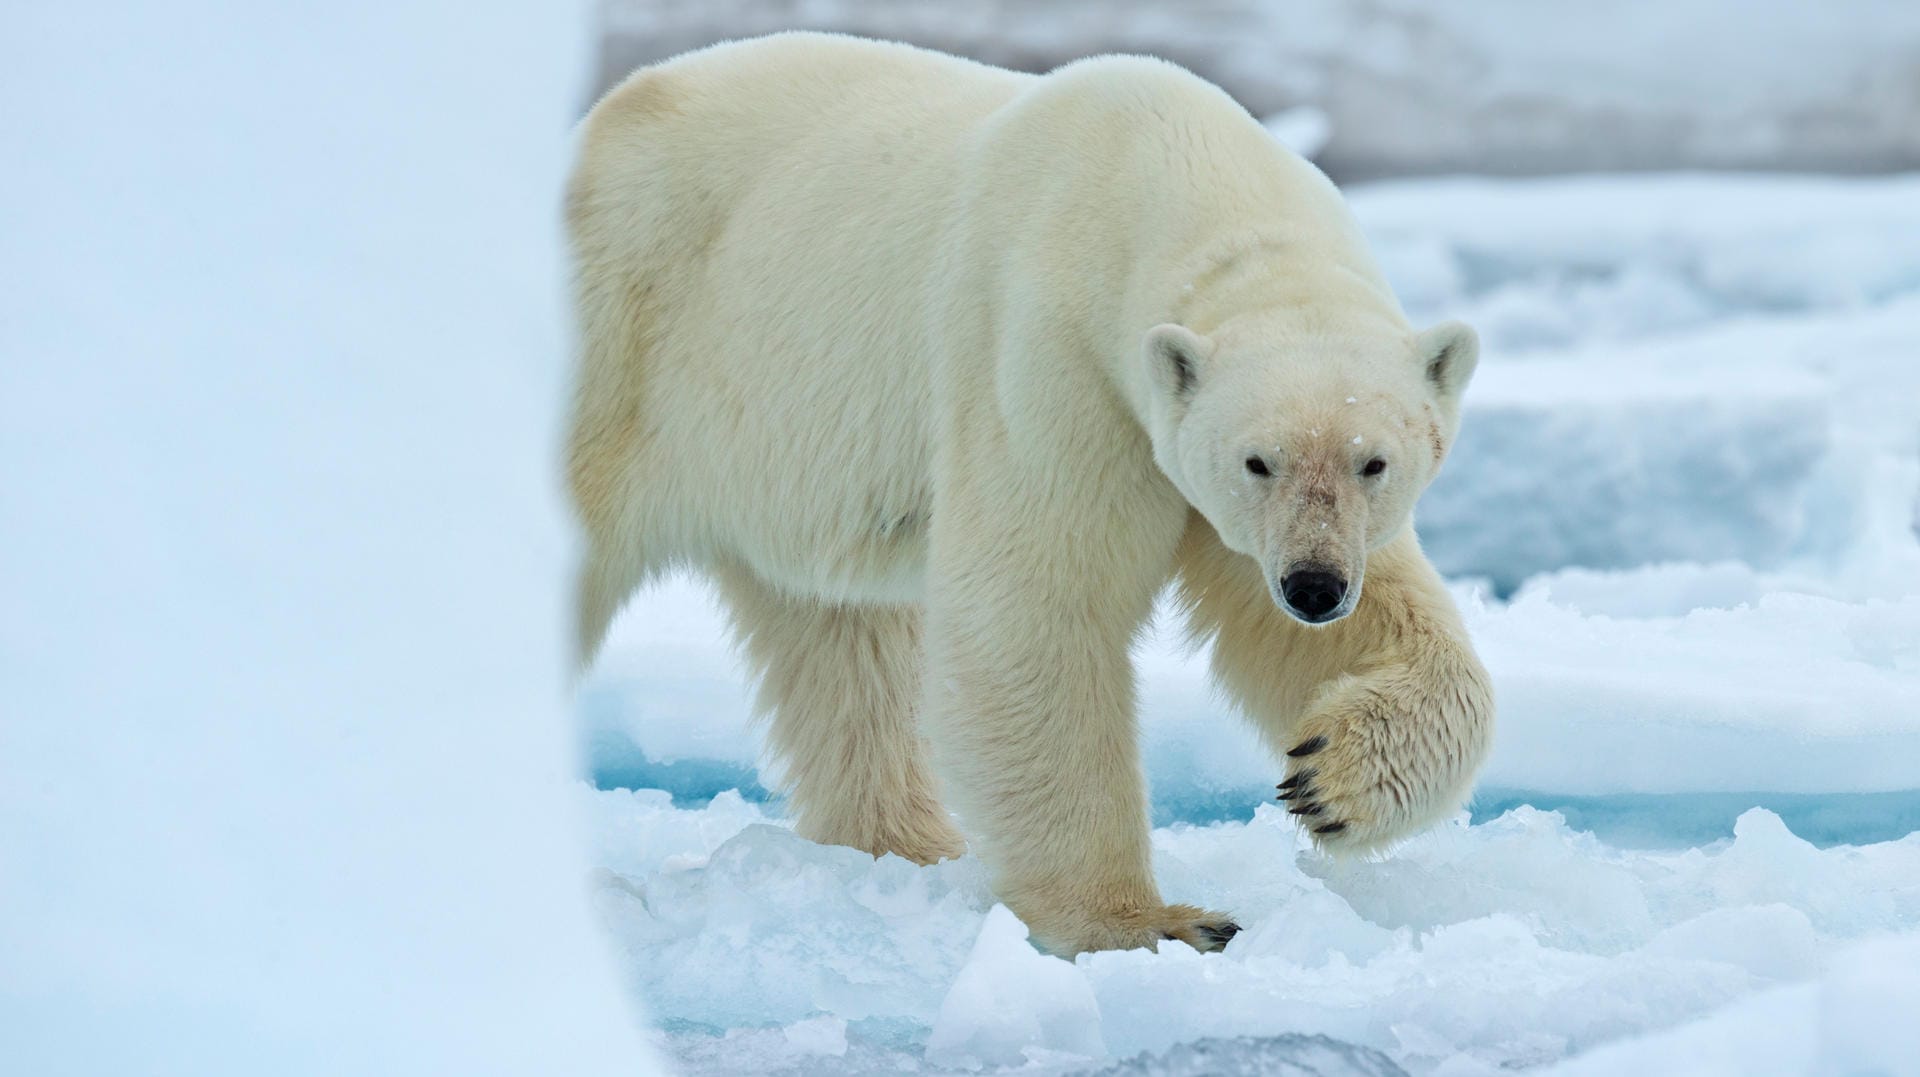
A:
(813, 54)
(1128, 81)
(1143, 96)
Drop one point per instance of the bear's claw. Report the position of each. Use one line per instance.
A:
(1307, 747)
(1300, 787)
(1218, 935)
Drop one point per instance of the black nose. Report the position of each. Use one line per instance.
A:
(1313, 593)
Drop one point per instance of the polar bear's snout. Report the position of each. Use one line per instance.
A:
(1314, 593)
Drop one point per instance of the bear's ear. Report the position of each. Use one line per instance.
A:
(1176, 359)
(1449, 351)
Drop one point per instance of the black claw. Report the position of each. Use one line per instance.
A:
(1330, 828)
(1290, 794)
(1308, 747)
(1298, 777)
(1306, 809)
(1218, 936)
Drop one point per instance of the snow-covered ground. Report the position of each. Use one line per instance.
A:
(1682, 519)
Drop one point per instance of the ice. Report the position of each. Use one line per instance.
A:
(1258, 1056)
(1793, 693)
(1734, 471)
(818, 1036)
(1514, 942)
(1010, 1002)
(730, 919)
(1709, 367)
(1856, 1018)
(1768, 439)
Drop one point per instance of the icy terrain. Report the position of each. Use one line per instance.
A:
(1682, 523)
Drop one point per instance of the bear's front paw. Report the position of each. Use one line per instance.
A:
(1380, 757)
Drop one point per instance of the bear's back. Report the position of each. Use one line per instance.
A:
(790, 88)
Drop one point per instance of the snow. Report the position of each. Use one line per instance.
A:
(283, 767)
(1681, 525)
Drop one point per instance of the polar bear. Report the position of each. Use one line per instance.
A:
(943, 373)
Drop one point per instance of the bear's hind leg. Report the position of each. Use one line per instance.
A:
(841, 684)
(604, 584)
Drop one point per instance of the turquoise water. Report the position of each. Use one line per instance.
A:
(616, 764)
(1642, 820)
(1629, 820)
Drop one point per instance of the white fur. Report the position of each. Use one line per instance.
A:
(892, 344)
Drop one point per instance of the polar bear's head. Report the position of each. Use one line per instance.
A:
(1305, 451)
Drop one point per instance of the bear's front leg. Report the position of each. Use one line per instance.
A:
(1383, 717)
(1383, 754)
(1034, 597)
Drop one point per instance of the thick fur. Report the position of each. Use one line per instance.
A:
(945, 372)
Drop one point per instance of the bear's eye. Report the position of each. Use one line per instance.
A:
(1258, 466)
(1374, 467)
